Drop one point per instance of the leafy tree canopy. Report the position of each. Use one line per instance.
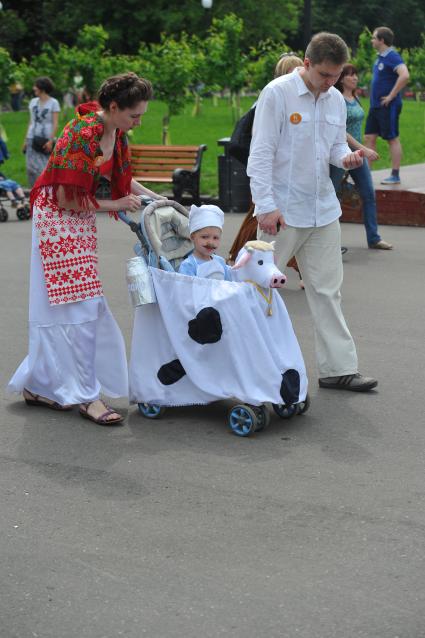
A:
(406, 19)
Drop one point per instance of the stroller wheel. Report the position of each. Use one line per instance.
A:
(285, 411)
(150, 411)
(242, 420)
(263, 417)
(3, 215)
(303, 406)
(23, 212)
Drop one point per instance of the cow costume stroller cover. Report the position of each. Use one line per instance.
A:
(203, 340)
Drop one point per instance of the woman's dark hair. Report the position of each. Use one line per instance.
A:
(348, 69)
(45, 84)
(126, 89)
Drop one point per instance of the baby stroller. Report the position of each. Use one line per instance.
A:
(19, 202)
(186, 348)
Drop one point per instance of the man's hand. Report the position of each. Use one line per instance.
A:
(268, 222)
(386, 100)
(353, 160)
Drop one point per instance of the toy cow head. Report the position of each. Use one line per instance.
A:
(255, 262)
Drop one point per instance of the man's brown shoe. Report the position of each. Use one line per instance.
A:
(354, 382)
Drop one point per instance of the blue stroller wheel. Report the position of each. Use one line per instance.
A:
(263, 417)
(285, 411)
(242, 420)
(3, 214)
(303, 406)
(151, 411)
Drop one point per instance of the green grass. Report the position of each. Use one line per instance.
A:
(213, 123)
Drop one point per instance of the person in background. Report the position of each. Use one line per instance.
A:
(390, 76)
(14, 192)
(16, 94)
(361, 176)
(43, 125)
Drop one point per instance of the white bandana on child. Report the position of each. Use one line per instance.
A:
(205, 216)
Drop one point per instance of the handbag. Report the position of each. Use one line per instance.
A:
(38, 143)
(347, 192)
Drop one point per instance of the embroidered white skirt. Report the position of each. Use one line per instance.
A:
(76, 350)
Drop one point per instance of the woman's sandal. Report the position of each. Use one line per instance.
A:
(103, 418)
(43, 402)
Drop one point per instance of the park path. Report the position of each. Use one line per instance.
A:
(177, 529)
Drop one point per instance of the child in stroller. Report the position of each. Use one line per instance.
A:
(198, 340)
(12, 193)
(205, 227)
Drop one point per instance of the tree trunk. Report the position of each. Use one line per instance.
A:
(165, 130)
(197, 105)
(236, 106)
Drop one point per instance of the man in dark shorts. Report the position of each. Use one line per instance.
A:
(390, 75)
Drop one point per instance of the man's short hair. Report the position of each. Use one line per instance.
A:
(327, 47)
(385, 34)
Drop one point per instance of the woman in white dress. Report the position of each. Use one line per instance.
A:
(76, 350)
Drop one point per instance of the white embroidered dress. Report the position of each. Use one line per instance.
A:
(76, 350)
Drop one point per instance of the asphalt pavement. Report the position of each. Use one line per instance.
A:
(176, 528)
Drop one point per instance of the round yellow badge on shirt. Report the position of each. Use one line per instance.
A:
(295, 118)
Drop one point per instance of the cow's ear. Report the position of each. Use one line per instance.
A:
(249, 249)
(244, 259)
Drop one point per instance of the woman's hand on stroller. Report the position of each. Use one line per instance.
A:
(129, 203)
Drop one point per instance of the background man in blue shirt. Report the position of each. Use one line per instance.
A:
(390, 75)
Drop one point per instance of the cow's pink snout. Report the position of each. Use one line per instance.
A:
(277, 281)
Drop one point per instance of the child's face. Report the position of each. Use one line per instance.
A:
(206, 241)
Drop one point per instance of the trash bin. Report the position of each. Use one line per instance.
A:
(233, 182)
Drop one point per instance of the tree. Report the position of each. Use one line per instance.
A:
(7, 71)
(202, 81)
(88, 57)
(405, 18)
(129, 22)
(12, 29)
(416, 65)
(263, 60)
(169, 66)
(228, 62)
(365, 57)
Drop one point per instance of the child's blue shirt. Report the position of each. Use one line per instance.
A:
(190, 266)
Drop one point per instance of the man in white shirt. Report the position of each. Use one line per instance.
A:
(299, 129)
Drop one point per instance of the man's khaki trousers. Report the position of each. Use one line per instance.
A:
(318, 253)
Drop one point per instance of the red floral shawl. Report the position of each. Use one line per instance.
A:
(74, 162)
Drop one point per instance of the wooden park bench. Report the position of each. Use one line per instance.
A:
(177, 165)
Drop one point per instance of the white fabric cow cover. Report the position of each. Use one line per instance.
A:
(207, 340)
